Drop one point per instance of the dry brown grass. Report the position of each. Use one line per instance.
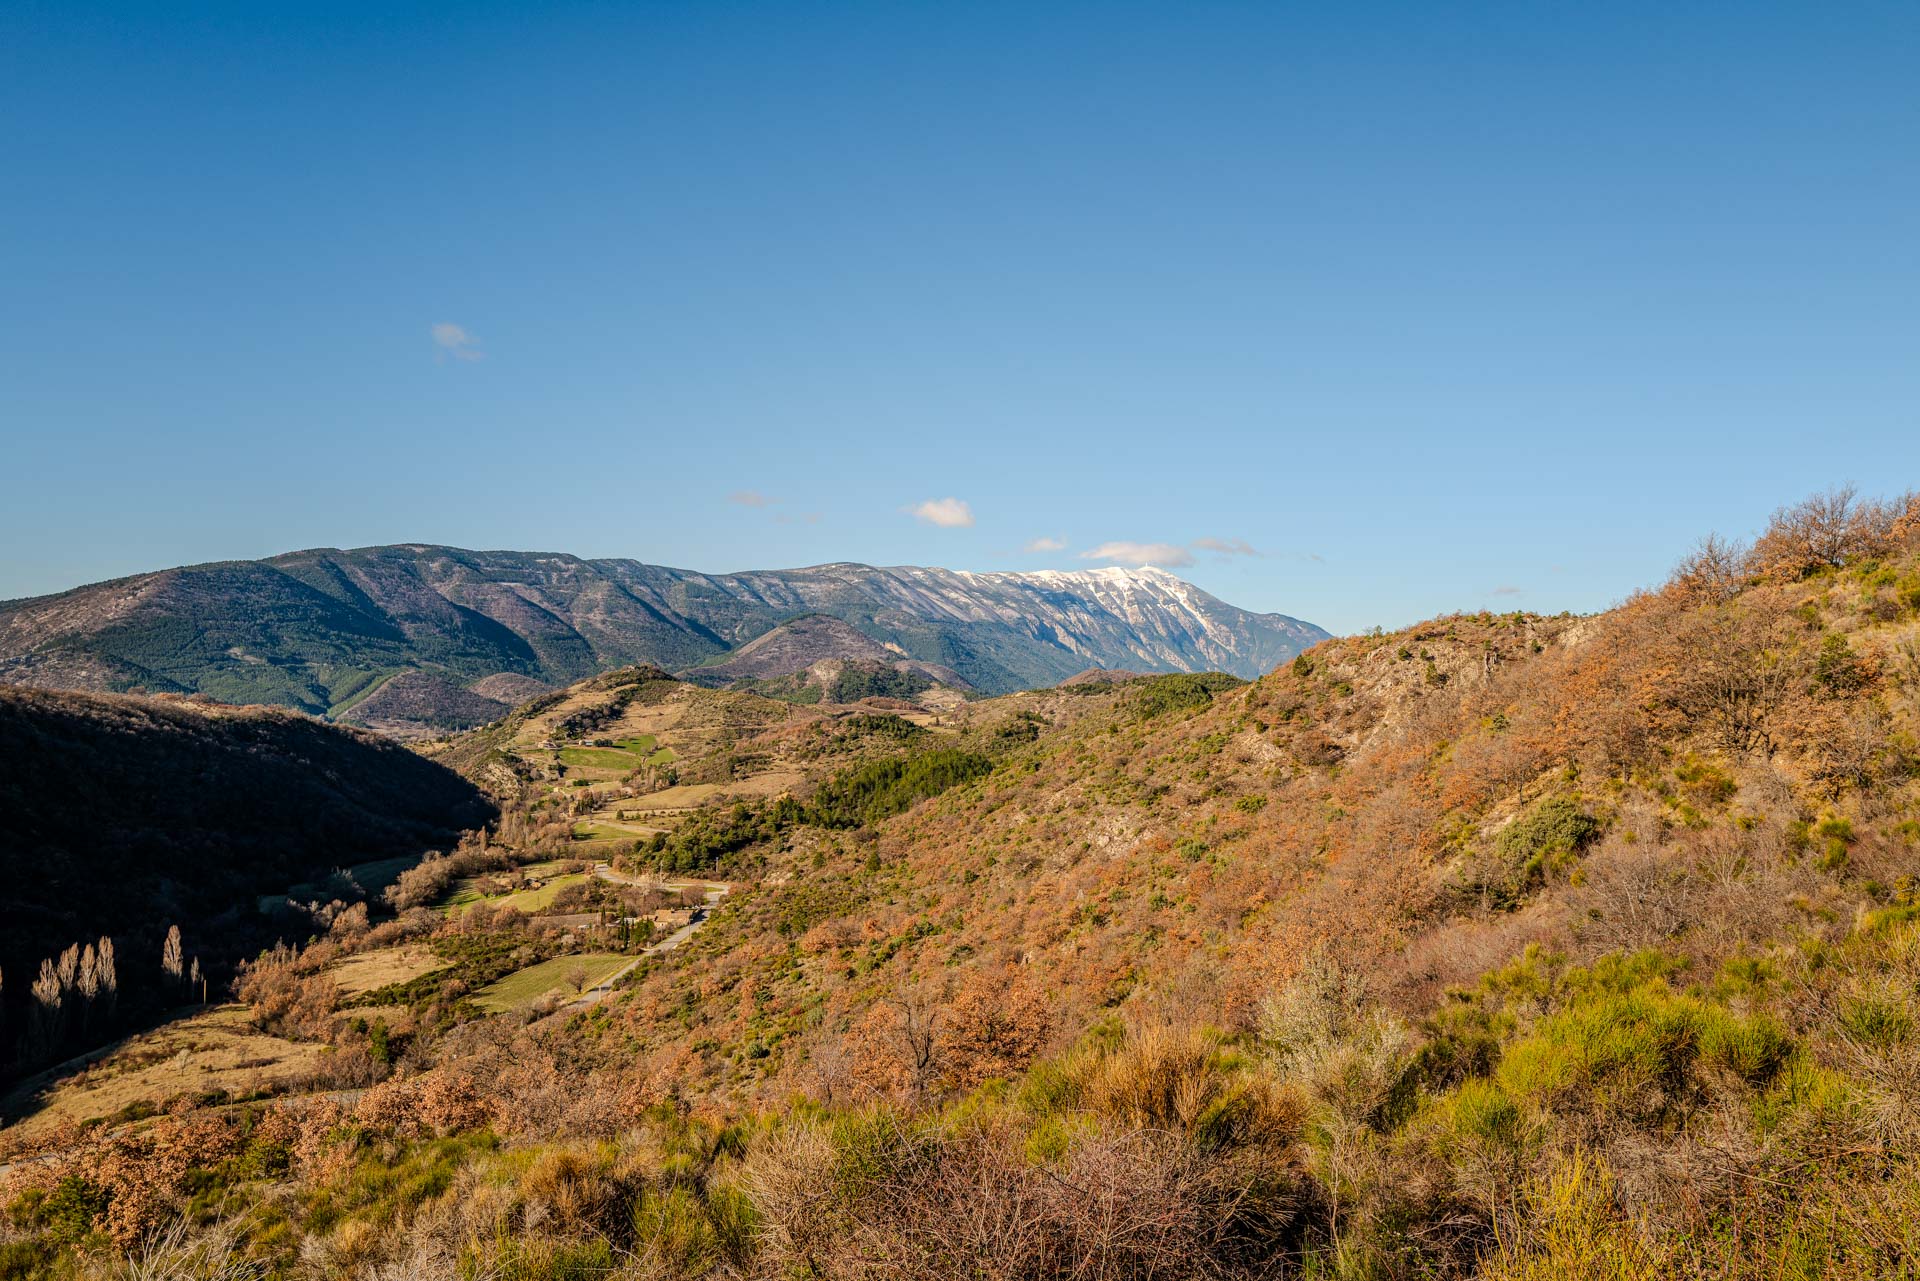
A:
(365, 971)
(216, 1051)
(684, 796)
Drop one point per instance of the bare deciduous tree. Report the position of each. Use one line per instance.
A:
(1821, 532)
(1714, 572)
(48, 1019)
(1734, 669)
(897, 1047)
(172, 959)
(918, 1020)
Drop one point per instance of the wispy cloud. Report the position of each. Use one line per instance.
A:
(1163, 555)
(1045, 545)
(1509, 591)
(750, 498)
(948, 513)
(797, 518)
(453, 340)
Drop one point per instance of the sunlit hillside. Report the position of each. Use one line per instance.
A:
(1503, 945)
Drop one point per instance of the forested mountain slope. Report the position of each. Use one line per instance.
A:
(321, 630)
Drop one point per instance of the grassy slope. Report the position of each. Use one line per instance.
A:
(529, 985)
(1530, 947)
(1359, 810)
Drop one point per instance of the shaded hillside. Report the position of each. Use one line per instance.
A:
(122, 816)
(317, 630)
(853, 680)
(510, 688)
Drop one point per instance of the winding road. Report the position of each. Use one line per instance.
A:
(715, 891)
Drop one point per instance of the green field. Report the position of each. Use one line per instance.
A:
(534, 982)
(602, 832)
(627, 754)
(546, 866)
(598, 758)
(528, 901)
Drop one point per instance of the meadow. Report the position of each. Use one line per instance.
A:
(524, 987)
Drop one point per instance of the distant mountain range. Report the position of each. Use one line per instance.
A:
(442, 636)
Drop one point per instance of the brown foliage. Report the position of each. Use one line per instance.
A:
(1823, 532)
(286, 999)
(994, 1027)
(440, 1102)
(1732, 671)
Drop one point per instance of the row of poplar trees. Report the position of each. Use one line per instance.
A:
(75, 999)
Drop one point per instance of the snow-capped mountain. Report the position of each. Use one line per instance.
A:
(321, 629)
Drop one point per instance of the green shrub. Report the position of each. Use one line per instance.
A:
(1159, 695)
(1554, 830)
(66, 1213)
(671, 1228)
(26, 1260)
(1480, 1114)
(523, 1258)
(1752, 1049)
(1636, 1052)
(1576, 1233)
(1878, 1019)
(1836, 669)
(1807, 1097)
(1546, 838)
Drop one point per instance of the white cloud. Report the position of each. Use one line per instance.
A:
(453, 340)
(1164, 555)
(1509, 591)
(1045, 545)
(948, 513)
(1226, 546)
(750, 498)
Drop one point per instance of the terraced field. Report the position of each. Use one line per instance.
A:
(622, 758)
(531, 901)
(366, 971)
(529, 985)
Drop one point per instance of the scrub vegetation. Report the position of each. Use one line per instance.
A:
(1501, 946)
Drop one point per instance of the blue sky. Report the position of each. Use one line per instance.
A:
(1424, 306)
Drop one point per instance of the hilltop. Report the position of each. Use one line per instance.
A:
(816, 658)
(323, 630)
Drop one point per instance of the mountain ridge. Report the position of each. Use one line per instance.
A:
(316, 629)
